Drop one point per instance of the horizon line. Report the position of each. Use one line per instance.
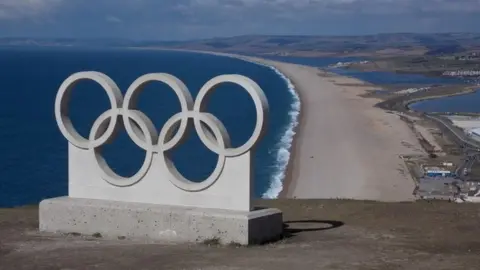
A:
(238, 36)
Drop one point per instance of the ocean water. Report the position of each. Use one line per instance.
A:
(33, 159)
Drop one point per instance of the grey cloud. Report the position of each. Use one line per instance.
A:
(368, 6)
(113, 19)
(20, 9)
(182, 19)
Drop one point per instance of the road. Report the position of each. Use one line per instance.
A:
(471, 148)
(467, 164)
(460, 135)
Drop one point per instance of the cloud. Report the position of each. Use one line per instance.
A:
(183, 19)
(113, 19)
(20, 9)
(349, 6)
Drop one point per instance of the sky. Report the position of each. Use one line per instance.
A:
(196, 19)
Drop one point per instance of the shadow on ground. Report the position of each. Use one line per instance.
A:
(292, 228)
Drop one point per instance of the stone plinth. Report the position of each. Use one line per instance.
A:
(158, 222)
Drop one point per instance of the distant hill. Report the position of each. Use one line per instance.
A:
(20, 41)
(397, 43)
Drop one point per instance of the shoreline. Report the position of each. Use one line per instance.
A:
(288, 180)
(287, 172)
(376, 170)
(345, 147)
(294, 126)
(295, 184)
(300, 180)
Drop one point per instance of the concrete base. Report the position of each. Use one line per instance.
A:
(114, 219)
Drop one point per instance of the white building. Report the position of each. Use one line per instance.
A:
(472, 196)
(474, 133)
(437, 172)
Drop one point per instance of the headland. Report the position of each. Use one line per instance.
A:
(347, 136)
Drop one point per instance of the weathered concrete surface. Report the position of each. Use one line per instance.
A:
(338, 235)
(113, 219)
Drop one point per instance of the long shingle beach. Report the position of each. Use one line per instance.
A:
(344, 146)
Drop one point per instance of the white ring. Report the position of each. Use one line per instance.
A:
(176, 178)
(103, 168)
(186, 103)
(261, 107)
(61, 107)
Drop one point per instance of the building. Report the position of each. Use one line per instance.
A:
(472, 184)
(444, 188)
(474, 133)
(473, 195)
(437, 172)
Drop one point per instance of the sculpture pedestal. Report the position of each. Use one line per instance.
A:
(114, 219)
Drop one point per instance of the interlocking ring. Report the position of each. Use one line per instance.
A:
(144, 134)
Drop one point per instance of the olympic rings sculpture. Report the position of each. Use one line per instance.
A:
(144, 134)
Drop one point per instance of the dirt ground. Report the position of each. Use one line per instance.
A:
(319, 234)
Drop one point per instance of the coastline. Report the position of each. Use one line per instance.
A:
(338, 138)
(281, 180)
(358, 156)
(345, 147)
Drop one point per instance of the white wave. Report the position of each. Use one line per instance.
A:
(284, 146)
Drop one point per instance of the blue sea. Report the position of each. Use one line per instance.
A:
(33, 160)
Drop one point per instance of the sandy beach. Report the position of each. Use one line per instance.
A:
(344, 146)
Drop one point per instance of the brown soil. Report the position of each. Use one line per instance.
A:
(321, 234)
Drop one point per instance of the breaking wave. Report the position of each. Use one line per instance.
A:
(284, 146)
